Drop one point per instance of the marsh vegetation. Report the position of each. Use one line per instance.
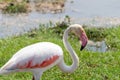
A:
(92, 64)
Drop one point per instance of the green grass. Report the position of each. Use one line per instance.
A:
(92, 66)
(15, 8)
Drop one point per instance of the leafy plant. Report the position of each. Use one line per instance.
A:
(15, 8)
(96, 34)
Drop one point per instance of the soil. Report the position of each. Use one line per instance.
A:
(3, 5)
(54, 7)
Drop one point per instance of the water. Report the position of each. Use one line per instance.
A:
(99, 46)
(92, 8)
(98, 13)
(94, 12)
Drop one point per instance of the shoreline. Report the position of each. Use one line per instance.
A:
(20, 24)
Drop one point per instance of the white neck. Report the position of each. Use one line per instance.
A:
(73, 55)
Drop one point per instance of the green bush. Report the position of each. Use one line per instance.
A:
(96, 34)
(15, 8)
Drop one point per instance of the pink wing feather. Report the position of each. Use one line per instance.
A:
(45, 63)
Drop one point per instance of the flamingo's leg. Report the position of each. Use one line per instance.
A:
(33, 78)
(37, 75)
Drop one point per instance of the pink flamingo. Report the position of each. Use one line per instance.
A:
(40, 57)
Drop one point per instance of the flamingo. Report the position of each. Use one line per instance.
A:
(39, 57)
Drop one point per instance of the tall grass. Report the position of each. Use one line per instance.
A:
(92, 66)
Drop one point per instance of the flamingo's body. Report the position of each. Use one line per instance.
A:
(39, 57)
(35, 56)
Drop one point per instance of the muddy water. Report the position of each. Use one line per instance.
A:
(98, 13)
(98, 46)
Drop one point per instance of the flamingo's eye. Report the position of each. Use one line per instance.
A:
(82, 31)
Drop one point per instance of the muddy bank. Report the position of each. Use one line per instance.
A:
(42, 6)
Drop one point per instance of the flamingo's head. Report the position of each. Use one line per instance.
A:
(80, 32)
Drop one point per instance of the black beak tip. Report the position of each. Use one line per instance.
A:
(82, 47)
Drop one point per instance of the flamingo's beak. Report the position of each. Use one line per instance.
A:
(84, 40)
(82, 47)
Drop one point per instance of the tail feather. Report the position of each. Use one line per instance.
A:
(4, 72)
(0, 72)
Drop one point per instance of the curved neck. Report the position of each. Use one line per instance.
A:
(73, 55)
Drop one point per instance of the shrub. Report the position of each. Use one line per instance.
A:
(15, 8)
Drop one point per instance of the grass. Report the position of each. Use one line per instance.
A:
(16, 8)
(92, 66)
(13, 6)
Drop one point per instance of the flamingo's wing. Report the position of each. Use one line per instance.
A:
(32, 57)
(30, 63)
